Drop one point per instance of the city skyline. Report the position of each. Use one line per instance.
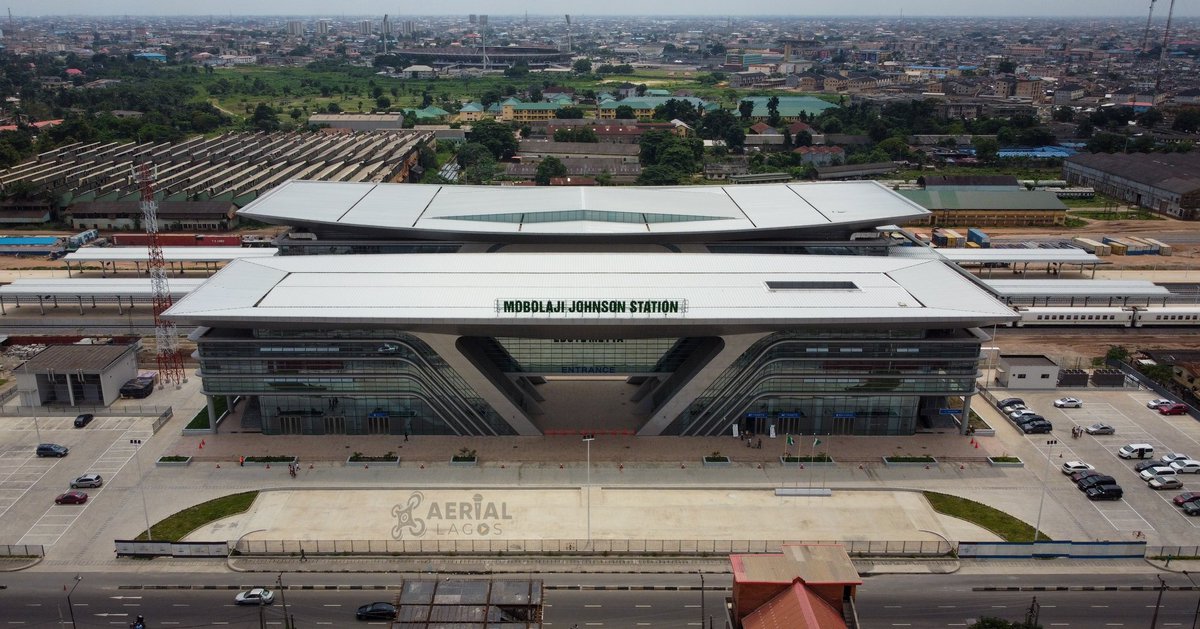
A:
(863, 8)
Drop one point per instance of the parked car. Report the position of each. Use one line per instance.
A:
(376, 611)
(1157, 403)
(1145, 465)
(83, 420)
(1070, 467)
(1078, 476)
(1105, 492)
(255, 596)
(71, 498)
(1068, 402)
(1100, 429)
(1164, 482)
(1009, 401)
(1186, 466)
(1173, 409)
(1021, 413)
(1157, 470)
(1092, 481)
(1170, 458)
(52, 449)
(87, 480)
(1040, 426)
(1187, 496)
(1136, 451)
(1191, 508)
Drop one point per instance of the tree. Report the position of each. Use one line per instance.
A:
(496, 136)
(986, 149)
(746, 109)
(678, 158)
(1187, 120)
(896, 148)
(676, 109)
(625, 112)
(1064, 114)
(658, 176)
(472, 153)
(576, 134)
(1149, 118)
(569, 112)
(383, 102)
(773, 111)
(517, 70)
(549, 168)
(640, 90)
(264, 118)
(582, 66)
(1006, 67)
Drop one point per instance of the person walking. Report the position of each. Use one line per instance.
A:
(303, 557)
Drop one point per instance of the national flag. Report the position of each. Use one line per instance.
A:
(816, 442)
(790, 441)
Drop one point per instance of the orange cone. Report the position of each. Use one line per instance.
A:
(977, 446)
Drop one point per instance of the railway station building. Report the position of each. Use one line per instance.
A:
(704, 310)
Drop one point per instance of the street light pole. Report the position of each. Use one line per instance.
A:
(1196, 615)
(1162, 587)
(588, 439)
(1049, 458)
(137, 444)
(701, 599)
(70, 607)
(283, 599)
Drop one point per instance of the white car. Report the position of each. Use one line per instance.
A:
(1157, 403)
(1186, 466)
(1068, 402)
(1070, 467)
(1022, 413)
(1171, 457)
(1157, 470)
(256, 596)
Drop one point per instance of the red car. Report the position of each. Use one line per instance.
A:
(1173, 409)
(71, 498)
(1187, 496)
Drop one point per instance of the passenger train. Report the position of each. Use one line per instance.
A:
(1120, 316)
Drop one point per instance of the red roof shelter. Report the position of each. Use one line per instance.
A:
(807, 586)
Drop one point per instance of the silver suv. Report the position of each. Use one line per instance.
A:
(87, 480)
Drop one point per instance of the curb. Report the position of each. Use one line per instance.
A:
(1085, 588)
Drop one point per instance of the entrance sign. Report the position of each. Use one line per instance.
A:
(615, 307)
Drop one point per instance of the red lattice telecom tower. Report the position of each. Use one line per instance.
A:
(170, 363)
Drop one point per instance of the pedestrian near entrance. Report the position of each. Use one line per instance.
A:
(406, 435)
(303, 557)
(241, 461)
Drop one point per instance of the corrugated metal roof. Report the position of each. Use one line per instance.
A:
(992, 200)
(469, 288)
(962, 255)
(73, 358)
(433, 208)
(94, 287)
(1076, 288)
(170, 254)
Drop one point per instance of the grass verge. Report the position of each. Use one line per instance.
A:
(200, 421)
(174, 528)
(1010, 529)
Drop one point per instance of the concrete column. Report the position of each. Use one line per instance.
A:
(212, 414)
(966, 414)
(70, 390)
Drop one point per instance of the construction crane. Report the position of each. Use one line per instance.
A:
(1146, 33)
(170, 363)
(569, 46)
(1162, 58)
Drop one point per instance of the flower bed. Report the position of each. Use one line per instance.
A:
(717, 460)
(263, 461)
(387, 459)
(909, 460)
(797, 461)
(1005, 461)
(173, 461)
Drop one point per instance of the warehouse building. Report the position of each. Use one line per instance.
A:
(654, 311)
(1167, 183)
(989, 208)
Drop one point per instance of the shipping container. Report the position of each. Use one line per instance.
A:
(1163, 248)
(1117, 247)
(1091, 246)
(978, 237)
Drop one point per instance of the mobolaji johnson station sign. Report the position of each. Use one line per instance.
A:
(591, 306)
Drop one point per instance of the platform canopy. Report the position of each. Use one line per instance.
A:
(562, 213)
(590, 291)
(170, 254)
(94, 287)
(1076, 288)
(1014, 255)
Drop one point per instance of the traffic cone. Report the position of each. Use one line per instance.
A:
(977, 446)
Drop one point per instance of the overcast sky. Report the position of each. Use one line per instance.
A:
(1082, 8)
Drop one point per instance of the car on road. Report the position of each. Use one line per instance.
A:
(1040, 426)
(1078, 476)
(71, 498)
(1186, 466)
(1191, 508)
(1164, 482)
(1170, 458)
(376, 611)
(1100, 429)
(1010, 401)
(1187, 496)
(1157, 403)
(1068, 402)
(1092, 481)
(83, 420)
(87, 480)
(1173, 409)
(52, 449)
(255, 596)
(1070, 467)
(1104, 492)
(1157, 470)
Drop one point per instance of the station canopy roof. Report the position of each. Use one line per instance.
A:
(456, 291)
(576, 212)
(1013, 255)
(170, 254)
(139, 288)
(1076, 288)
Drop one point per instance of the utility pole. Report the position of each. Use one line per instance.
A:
(1196, 614)
(283, 599)
(1162, 587)
(1038, 526)
(137, 444)
(588, 439)
(70, 607)
(701, 599)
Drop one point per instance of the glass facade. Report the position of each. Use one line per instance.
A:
(576, 356)
(596, 216)
(344, 381)
(826, 382)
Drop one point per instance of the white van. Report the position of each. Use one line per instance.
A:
(1136, 451)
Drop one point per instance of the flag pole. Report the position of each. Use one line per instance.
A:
(811, 453)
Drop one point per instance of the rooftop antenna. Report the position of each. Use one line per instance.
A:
(569, 46)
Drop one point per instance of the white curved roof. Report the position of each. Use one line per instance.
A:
(170, 254)
(564, 211)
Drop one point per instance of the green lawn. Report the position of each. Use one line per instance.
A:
(200, 421)
(175, 527)
(1010, 529)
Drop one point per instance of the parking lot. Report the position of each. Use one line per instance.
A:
(1141, 509)
(28, 483)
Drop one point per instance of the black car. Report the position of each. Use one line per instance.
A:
(83, 420)
(1105, 492)
(1145, 465)
(1025, 419)
(1093, 481)
(1038, 427)
(1009, 401)
(1191, 508)
(376, 611)
(1082, 474)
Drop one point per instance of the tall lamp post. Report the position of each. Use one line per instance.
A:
(70, 607)
(588, 439)
(1049, 458)
(137, 444)
(283, 599)
(1196, 615)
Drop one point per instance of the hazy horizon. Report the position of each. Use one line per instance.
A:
(1086, 9)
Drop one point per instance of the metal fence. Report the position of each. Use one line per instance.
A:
(899, 548)
(1173, 551)
(162, 420)
(71, 411)
(22, 550)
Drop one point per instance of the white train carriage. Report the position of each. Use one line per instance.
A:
(1075, 317)
(1167, 316)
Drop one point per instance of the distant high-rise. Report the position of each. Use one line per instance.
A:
(366, 27)
(323, 27)
(407, 28)
(483, 20)
(472, 18)
(386, 26)
(295, 28)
